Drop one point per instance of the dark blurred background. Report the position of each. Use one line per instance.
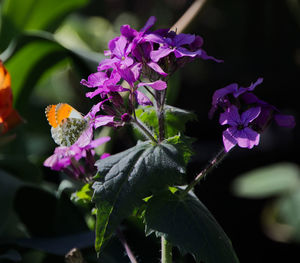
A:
(255, 38)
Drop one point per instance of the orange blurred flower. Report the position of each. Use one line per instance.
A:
(9, 117)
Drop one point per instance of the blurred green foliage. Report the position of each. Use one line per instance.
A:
(280, 183)
(46, 51)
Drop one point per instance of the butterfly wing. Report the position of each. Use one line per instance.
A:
(69, 130)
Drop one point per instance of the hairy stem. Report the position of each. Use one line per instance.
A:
(166, 251)
(160, 101)
(179, 26)
(144, 130)
(219, 157)
(127, 248)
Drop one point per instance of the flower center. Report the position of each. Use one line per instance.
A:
(240, 127)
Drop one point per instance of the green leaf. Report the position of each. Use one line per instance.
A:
(23, 66)
(186, 223)
(183, 145)
(175, 119)
(267, 181)
(126, 178)
(39, 14)
(34, 55)
(83, 197)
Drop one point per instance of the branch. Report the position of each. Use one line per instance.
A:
(188, 16)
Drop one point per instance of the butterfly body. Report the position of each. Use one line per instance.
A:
(67, 124)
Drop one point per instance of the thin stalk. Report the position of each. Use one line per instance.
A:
(135, 121)
(166, 251)
(188, 16)
(144, 130)
(179, 26)
(126, 246)
(160, 101)
(219, 157)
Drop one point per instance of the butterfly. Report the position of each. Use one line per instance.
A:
(9, 117)
(67, 124)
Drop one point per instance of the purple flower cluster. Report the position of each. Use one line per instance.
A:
(135, 60)
(138, 56)
(245, 115)
(67, 159)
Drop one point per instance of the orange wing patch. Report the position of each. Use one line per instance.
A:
(9, 117)
(51, 116)
(63, 111)
(57, 113)
(67, 123)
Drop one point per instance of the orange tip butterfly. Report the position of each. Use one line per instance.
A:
(67, 124)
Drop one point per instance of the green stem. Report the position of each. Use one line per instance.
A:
(166, 251)
(144, 130)
(138, 124)
(160, 102)
(219, 157)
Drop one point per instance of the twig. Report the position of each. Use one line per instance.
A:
(188, 16)
(127, 248)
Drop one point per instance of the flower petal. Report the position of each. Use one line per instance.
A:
(247, 138)
(228, 141)
(249, 115)
(85, 138)
(231, 116)
(94, 79)
(285, 120)
(157, 68)
(157, 85)
(162, 52)
(95, 143)
(142, 99)
(221, 93)
(102, 120)
(150, 22)
(183, 52)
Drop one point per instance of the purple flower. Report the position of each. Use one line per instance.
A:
(105, 82)
(172, 43)
(239, 131)
(157, 85)
(231, 99)
(64, 156)
(181, 45)
(99, 120)
(119, 51)
(268, 113)
(142, 53)
(224, 97)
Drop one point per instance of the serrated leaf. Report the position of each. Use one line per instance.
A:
(184, 146)
(175, 119)
(186, 223)
(128, 177)
(267, 181)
